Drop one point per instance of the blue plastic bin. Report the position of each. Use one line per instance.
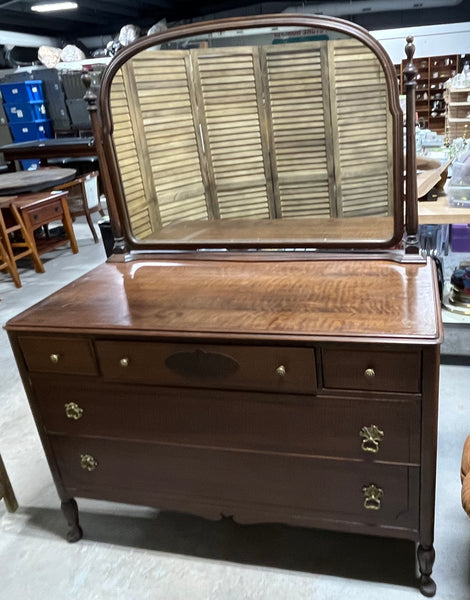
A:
(21, 112)
(460, 238)
(22, 91)
(35, 130)
(30, 163)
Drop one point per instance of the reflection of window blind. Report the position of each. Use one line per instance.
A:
(361, 126)
(229, 96)
(130, 167)
(248, 132)
(295, 80)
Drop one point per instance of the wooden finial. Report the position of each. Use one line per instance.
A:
(90, 97)
(410, 47)
(410, 71)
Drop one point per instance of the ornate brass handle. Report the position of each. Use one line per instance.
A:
(54, 358)
(124, 362)
(281, 371)
(73, 411)
(372, 496)
(371, 438)
(369, 373)
(88, 462)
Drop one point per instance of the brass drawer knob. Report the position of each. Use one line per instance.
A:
(124, 362)
(281, 371)
(369, 373)
(88, 462)
(54, 358)
(372, 496)
(371, 437)
(73, 411)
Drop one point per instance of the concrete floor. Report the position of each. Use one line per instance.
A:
(132, 553)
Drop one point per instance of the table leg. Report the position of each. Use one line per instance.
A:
(68, 227)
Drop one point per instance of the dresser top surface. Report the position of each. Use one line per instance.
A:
(247, 298)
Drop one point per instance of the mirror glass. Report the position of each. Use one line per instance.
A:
(265, 137)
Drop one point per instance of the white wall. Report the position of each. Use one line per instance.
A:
(430, 40)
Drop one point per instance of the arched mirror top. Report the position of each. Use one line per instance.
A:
(261, 132)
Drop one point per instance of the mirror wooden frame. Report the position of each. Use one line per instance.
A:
(102, 122)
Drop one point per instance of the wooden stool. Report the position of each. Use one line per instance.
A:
(6, 491)
(37, 210)
(11, 227)
(83, 198)
(9, 265)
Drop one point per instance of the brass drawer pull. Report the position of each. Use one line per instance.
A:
(124, 362)
(371, 438)
(73, 411)
(88, 462)
(369, 373)
(372, 496)
(54, 358)
(281, 371)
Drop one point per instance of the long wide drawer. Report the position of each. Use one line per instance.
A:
(373, 429)
(272, 368)
(143, 473)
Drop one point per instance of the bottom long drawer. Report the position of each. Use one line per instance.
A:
(181, 477)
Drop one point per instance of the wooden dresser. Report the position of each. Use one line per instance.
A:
(236, 390)
(241, 365)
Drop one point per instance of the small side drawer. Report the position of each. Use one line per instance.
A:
(56, 354)
(386, 371)
(39, 215)
(280, 369)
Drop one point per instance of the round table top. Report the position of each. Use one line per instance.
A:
(24, 182)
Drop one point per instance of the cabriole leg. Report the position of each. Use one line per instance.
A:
(70, 510)
(426, 558)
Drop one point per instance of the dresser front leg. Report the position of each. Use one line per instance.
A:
(426, 558)
(70, 510)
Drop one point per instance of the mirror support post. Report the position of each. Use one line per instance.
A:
(91, 99)
(411, 220)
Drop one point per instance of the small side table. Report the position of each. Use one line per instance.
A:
(41, 209)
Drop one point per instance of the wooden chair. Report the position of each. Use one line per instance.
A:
(16, 240)
(465, 476)
(6, 490)
(83, 198)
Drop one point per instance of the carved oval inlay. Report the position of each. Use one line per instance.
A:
(202, 364)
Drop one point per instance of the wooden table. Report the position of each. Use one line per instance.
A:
(427, 178)
(441, 213)
(46, 149)
(24, 182)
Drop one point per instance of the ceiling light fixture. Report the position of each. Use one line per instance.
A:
(54, 6)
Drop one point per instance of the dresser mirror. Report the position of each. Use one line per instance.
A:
(270, 132)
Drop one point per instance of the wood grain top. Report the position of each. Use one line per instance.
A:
(22, 182)
(295, 300)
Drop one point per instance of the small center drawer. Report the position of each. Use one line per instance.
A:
(265, 368)
(387, 371)
(57, 354)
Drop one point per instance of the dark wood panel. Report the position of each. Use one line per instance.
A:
(56, 354)
(306, 486)
(372, 370)
(280, 369)
(252, 421)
